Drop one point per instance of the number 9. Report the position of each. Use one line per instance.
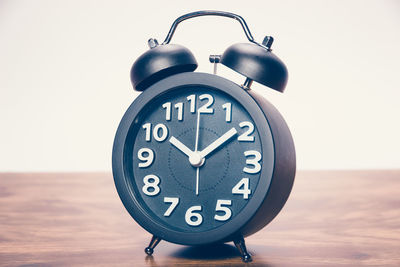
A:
(147, 159)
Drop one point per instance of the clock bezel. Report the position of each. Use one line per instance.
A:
(230, 229)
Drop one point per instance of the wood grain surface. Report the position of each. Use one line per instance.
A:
(332, 218)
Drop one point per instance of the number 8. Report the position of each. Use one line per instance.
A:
(151, 181)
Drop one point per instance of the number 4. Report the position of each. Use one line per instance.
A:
(245, 191)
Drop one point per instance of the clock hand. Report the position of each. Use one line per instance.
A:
(197, 132)
(214, 145)
(194, 157)
(195, 152)
(179, 145)
(197, 180)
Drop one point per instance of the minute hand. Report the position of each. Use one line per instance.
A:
(214, 145)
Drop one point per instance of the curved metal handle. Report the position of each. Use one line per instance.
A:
(210, 13)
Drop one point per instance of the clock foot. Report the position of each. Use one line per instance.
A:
(153, 243)
(241, 246)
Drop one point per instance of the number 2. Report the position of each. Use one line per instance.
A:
(246, 136)
(206, 107)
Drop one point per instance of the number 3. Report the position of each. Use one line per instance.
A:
(253, 161)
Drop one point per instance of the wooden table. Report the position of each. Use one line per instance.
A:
(332, 218)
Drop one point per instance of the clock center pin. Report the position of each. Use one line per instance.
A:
(196, 160)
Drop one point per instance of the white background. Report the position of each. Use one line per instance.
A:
(64, 75)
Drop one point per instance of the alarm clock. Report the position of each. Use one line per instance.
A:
(198, 159)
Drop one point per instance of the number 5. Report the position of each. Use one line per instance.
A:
(226, 210)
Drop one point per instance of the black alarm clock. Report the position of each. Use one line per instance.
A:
(197, 158)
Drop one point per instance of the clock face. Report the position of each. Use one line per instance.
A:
(195, 158)
(198, 160)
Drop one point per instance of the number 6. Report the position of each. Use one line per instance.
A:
(192, 218)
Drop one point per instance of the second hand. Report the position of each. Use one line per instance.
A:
(195, 150)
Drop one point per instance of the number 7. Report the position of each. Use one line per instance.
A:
(174, 202)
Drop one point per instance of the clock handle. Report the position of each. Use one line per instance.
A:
(211, 13)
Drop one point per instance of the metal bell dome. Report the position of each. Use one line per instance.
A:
(159, 62)
(257, 63)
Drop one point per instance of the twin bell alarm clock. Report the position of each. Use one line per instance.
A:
(198, 159)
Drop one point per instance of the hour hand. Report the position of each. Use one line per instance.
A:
(217, 143)
(179, 145)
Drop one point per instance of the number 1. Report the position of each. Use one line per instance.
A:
(179, 107)
(167, 107)
(228, 108)
(192, 100)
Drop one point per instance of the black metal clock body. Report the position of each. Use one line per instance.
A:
(268, 169)
(198, 159)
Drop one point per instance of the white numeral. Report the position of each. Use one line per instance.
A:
(168, 111)
(174, 202)
(179, 107)
(228, 109)
(192, 218)
(167, 107)
(246, 135)
(253, 161)
(148, 159)
(245, 191)
(151, 181)
(206, 107)
(226, 210)
(192, 100)
(147, 128)
(156, 132)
